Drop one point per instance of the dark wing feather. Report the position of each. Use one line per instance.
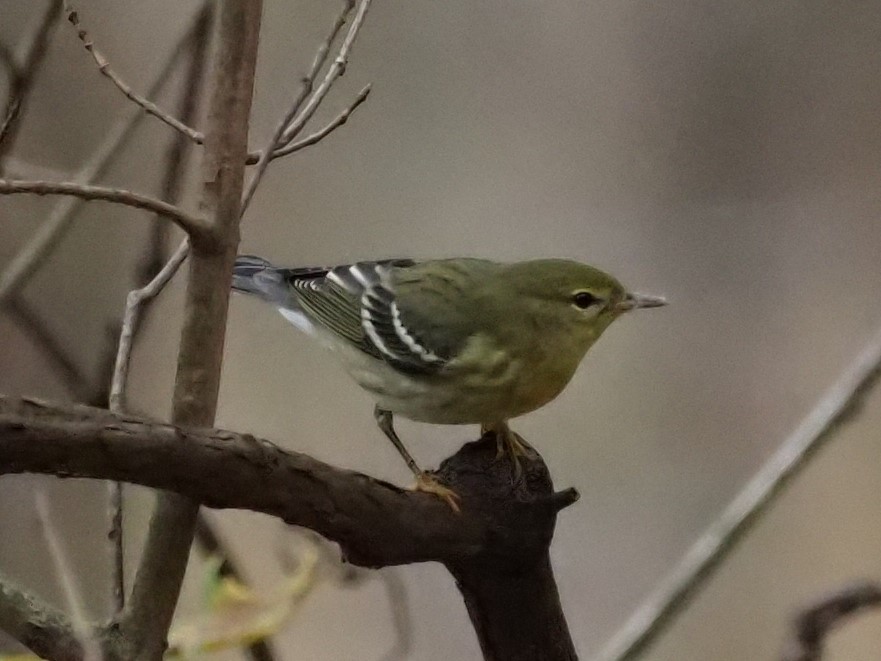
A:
(354, 302)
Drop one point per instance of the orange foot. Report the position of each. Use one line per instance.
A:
(428, 483)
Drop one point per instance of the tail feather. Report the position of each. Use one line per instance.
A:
(254, 275)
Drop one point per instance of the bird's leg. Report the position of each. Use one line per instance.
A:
(508, 443)
(424, 480)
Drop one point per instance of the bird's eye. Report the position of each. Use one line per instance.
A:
(584, 299)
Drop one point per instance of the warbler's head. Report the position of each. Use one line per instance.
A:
(574, 296)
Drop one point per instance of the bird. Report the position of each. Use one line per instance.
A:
(450, 341)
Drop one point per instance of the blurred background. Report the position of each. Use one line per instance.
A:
(725, 155)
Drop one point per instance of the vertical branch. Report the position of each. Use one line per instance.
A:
(175, 166)
(157, 584)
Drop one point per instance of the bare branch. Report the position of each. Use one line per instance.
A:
(335, 71)
(158, 580)
(81, 627)
(194, 226)
(36, 625)
(322, 133)
(814, 623)
(376, 524)
(104, 67)
(306, 88)
(31, 256)
(23, 76)
(834, 409)
(172, 185)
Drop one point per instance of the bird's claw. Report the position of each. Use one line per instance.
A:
(428, 483)
(510, 444)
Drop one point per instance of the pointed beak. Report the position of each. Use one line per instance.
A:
(633, 301)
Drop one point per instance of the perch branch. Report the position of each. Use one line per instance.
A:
(25, 263)
(834, 409)
(104, 67)
(375, 523)
(814, 623)
(195, 227)
(497, 548)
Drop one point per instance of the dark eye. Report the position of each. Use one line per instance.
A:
(584, 299)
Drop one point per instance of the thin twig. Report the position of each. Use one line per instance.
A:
(305, 89)
(337, 68)
(322, 133)
(194, 226)
(40, 246)
(814, 623)
(104, 67)
(133, 304)
(24, 76)
(65, 575)
(835, 408)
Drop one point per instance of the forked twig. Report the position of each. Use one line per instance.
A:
(104, 67)
(337, 68)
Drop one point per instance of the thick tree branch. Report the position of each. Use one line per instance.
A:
(194, 226)
(376, 524)
(814, 623)
(157, 584)
(834, 409)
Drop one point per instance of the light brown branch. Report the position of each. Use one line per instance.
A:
(337, 68)
(104, 67)
(322, 133)
(25, 263)
(194, 226)
(158, 580)
(816, 622)
(173, 177)
(275, 141)
(834, 409)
